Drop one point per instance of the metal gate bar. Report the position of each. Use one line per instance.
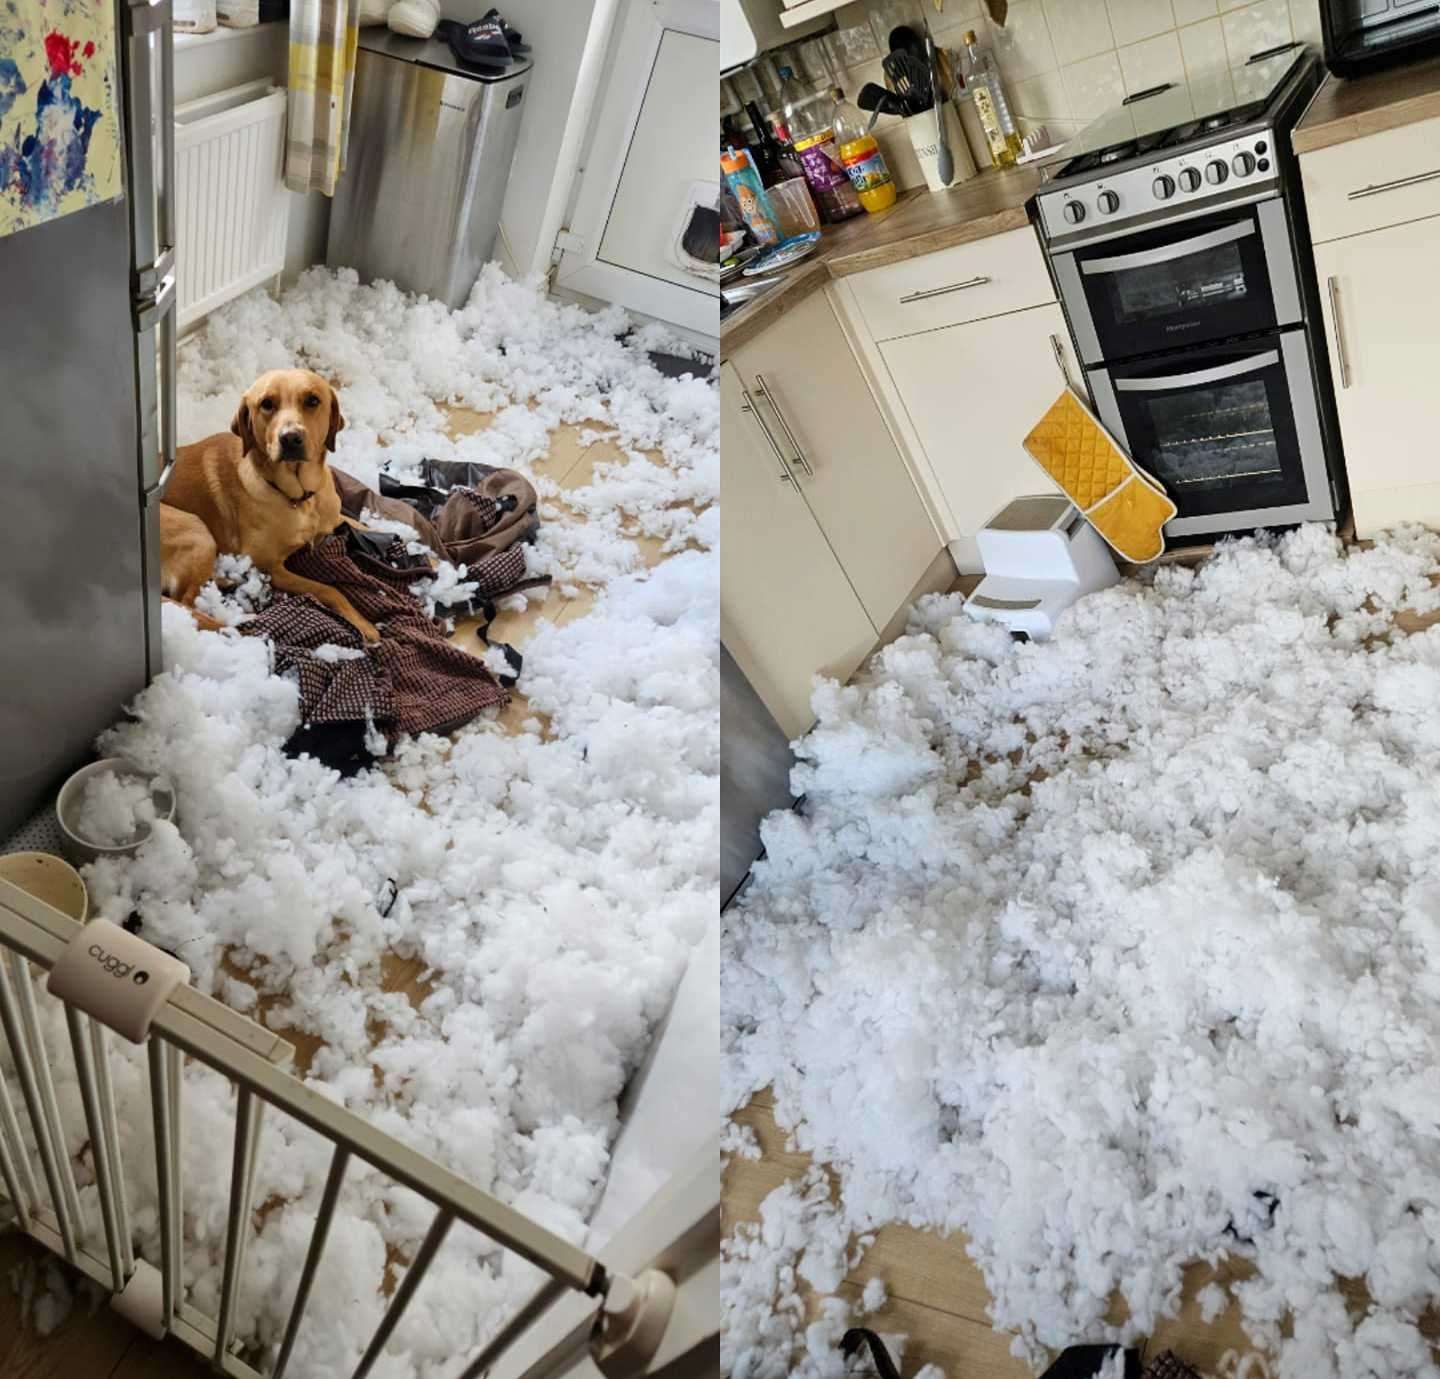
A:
(193, 1024)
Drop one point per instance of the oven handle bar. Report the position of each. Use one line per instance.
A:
(1165, 252)
(1184, 380)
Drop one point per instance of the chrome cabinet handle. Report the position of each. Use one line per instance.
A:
(941, 291)
(1060, 358)
(1395, 185)
(1340, 359)
(784, 425)
(786, 477)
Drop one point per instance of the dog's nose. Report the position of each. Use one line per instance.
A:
(292, 444)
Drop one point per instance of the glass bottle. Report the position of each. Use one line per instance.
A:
(982, 82)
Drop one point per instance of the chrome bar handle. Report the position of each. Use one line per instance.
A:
(1059, 351)
(1375, 189)
(784, 425)
(786, 477)
(1340, 359)
(941, 291)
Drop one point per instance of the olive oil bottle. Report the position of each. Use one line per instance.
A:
(983, 86)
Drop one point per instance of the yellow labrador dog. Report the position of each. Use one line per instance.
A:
(264, 490)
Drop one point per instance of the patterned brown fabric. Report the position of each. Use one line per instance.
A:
(469, 514)
(413, 680)
(1166, 1365)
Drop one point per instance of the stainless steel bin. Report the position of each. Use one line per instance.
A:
(430, 150)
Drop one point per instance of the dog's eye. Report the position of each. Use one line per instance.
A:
(311, 400)
(267, 404)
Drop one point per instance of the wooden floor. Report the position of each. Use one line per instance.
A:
(100, 1345)
(935, 1292)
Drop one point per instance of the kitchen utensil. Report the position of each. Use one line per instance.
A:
(921, 129)
(879, 101)
(904, 39)
(945, 166)
(910, 78)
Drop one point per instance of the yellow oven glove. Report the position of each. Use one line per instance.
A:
(1119, 499)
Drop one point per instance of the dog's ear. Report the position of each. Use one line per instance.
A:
(337, 421)
(240, 426)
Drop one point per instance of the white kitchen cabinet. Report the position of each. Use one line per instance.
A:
(1381, 298)
(810, 393)
(787, 609)
(972, 393)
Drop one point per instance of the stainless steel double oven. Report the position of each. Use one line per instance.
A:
(1192, 332)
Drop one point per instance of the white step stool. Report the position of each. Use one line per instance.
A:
(1040, 555)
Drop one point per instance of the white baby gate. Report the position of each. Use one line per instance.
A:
(653, 1306)
(231, 204)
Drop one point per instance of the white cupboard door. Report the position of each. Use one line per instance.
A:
(786, 609)
(1381, 303)
(973, 393)
(650, 157)
(811, 393)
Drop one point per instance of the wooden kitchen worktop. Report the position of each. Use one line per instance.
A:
(920, 222)
(1344, 110)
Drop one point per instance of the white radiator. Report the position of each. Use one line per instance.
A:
(231, 205)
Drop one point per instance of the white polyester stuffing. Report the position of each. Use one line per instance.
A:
(1091, 949)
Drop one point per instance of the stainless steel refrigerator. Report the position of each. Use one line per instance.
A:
(87, 354)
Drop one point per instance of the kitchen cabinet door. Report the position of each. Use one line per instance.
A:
(786, 608)
(973, 393)
(812, 395)
(1385, 368)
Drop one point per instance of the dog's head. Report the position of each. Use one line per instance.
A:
(286, 421)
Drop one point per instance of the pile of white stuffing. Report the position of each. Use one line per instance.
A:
(1114, 953)
(552, 884)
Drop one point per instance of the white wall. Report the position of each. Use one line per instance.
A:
(207, 63)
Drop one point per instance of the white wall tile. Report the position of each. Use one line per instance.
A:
(1193, 11)
(1094, 85)
(1255, 28)
(1305, 21)
(1040, 98)
(1152, 63)
(1203, 47)
(1132, 20)
(1023, 47)
(1079, 28)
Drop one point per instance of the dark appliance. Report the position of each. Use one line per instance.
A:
(1363, 35)
(1176, 235)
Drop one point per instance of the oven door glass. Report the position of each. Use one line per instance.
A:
(1203, 280)
(1216, 427)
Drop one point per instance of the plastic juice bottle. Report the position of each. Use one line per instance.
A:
(982, 81)
(743, 179)
(809, 121)
(862, 160)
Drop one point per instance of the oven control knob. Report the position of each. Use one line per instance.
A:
(1243, 164)
(1189, 179)
(1163, 187)
(1074, 211)
(1216, 172)
(1108, 202)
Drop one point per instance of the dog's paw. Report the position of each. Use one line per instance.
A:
(368, 630)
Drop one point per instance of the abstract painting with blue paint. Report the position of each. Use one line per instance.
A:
(60, 132)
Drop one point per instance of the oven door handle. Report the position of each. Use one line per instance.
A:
(1254, 364)
(1165, 252)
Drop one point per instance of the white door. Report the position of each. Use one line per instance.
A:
(973, 393)
(787, 610)
(654, 153)
(1384, 363)
(802, 376)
